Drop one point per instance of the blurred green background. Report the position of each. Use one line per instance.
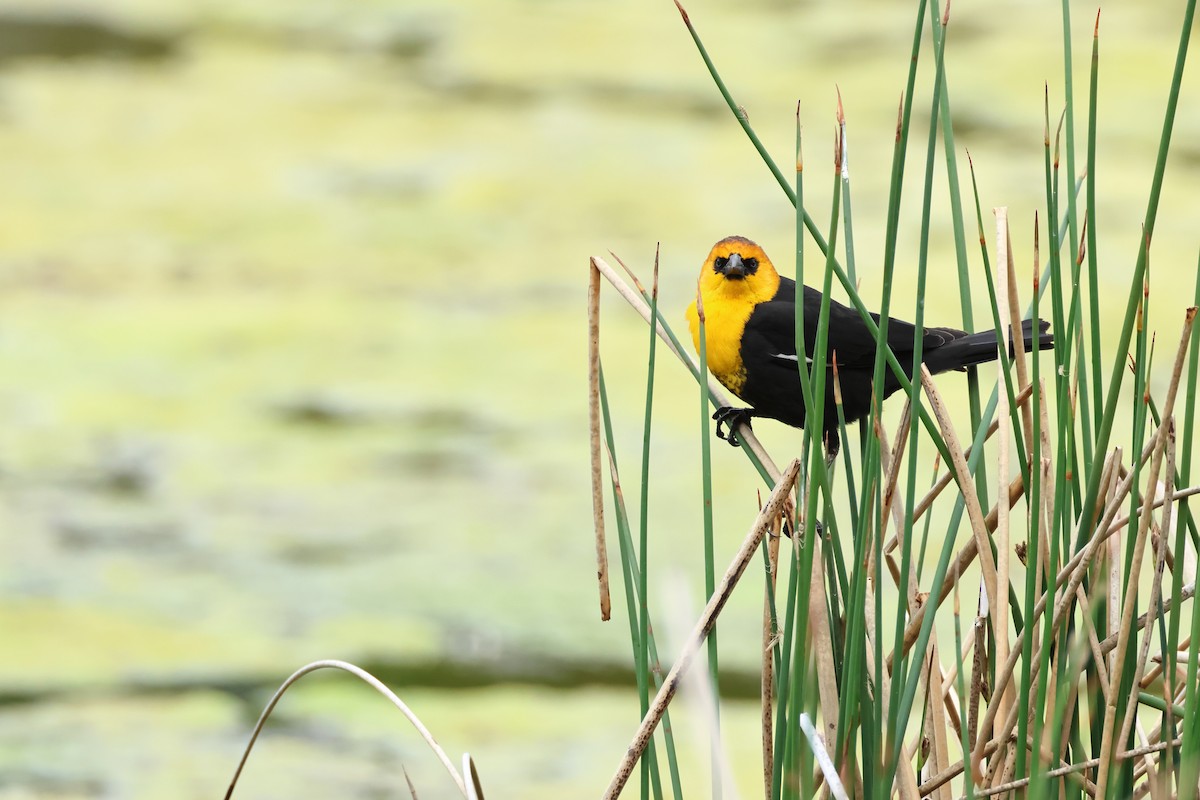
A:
(292, 337)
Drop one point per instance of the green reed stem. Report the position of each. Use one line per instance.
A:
(1093, 249)
(793, 775)
(710, 577)
(643, 539)
(783, 678)
(901, 705)
(1104, 432)
(960, 249)
(629, 572)
(1186, 519)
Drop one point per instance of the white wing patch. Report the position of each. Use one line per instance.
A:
(787, 357)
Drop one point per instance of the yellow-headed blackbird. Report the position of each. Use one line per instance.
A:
(750, 324)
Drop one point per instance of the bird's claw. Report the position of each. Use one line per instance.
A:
(731, 417)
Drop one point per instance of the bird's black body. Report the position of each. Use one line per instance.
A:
(772, 383)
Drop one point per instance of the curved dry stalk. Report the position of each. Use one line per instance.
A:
(967, 485)
(366, 678)
(474, 788)
(944, 481)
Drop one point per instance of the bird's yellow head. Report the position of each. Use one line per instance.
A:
(737, 270)
(736, 277)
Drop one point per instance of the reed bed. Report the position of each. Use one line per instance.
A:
(1072, 668)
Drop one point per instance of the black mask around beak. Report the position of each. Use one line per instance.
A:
(735, 267)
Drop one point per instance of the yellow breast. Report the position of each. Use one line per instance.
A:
(724, 322)
(728, 304)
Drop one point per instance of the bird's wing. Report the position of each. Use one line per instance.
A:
(849, 338)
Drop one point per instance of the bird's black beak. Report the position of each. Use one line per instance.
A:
(735, 268)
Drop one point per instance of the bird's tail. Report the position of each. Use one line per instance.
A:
(980, 348)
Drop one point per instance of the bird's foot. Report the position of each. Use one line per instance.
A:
(833, 446)
(731, 418)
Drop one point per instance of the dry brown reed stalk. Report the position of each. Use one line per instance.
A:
(773, 508)
(1162, 440)
(1165, 497)
(1091, 640)
(1072, 768)
(948, 476)
(822, 641)
(978, 667)
(956, 769)
(967, 485)
(1187, 593)
(1047, 487)
(965, 557)
(768, 659)
(890, 461)
(594, 425)
(1160, 564)
(906, 778)
(1006, 295)
(936, 725)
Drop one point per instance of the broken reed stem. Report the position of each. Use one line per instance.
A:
(594, 426)
(773, 508)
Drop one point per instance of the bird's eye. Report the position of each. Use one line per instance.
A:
(721, 262)
(751, 264)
